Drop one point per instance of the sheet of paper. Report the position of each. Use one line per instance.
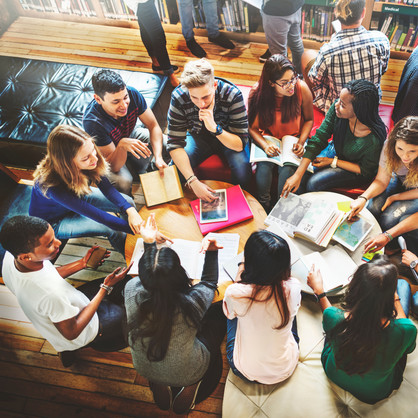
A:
(344, 206)
(231, 265)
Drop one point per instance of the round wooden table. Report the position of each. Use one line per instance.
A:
(176, 219)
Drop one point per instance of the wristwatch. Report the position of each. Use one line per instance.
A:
(218, 131)
(107, 288)
(414, 263)
(319, 297)
(334, 162)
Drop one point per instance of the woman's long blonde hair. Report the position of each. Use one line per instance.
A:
(58, 166)
(406, 130)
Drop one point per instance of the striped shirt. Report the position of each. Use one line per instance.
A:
(351, 54)
(229, 112)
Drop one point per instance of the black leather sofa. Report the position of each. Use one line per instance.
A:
(36, 96)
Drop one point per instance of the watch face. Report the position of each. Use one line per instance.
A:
(413, 264)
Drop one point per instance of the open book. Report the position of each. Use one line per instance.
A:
(351, 234)
(160, 189)
(315, 220)
(190, 257)
(286, 156)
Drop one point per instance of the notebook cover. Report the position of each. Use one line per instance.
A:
(238, 211)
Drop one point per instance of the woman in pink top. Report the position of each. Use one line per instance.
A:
(262, 341)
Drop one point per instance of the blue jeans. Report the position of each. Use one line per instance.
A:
(76, 226)
(396, 212)
(201, 146)
(329, 178)
(283, 30)
(186, 18)
(152, 35)
(405, 296)
(264, 177)
(231, 332)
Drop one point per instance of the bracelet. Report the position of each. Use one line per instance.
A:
(397, 299)
(240, 263)
(334, 162)
(388, 236)
(320, 296)
(107, 288)
(363, 197)
(190, 180)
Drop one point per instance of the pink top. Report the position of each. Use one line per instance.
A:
(261, 352)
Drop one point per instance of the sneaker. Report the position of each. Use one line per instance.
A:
(222, 41)
(195, 48)
(157, 69)
(265, 56)
(67, 358)
(185, 399)
(162, 395)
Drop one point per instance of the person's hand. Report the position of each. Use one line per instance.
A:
(209, 244)
(136, 147)
(376, 243)
(89, 252)
(291, 185)
(206, 116)
(271, 149)
(389, 201)
(321, 162)
(315, 281)
(202, 191)
(117, 275)
(161, 238)
(298, 149)
(161, 165)
(356, 207)
(408, 257)
(149, 229)
(134, 220)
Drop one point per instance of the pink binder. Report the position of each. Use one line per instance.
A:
(238, 211)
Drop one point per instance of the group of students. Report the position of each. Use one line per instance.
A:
(173, 328)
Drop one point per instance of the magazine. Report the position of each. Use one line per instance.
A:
(215, 211)
(351, 234)
(286, 156)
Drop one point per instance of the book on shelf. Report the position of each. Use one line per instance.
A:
(238, 211)
(190, 256)
(313, 220)
(286, 156)
(161, 189)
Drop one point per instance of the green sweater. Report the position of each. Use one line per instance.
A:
(385, 374)
(364, 151)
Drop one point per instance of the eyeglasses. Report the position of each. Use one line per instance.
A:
(288, 84)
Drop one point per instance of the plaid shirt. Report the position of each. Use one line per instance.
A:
(351, 54)
(229, 112)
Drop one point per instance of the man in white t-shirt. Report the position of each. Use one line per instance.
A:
(65, 316)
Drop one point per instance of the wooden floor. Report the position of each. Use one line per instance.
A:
(32, 379)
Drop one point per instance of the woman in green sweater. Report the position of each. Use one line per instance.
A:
(367, 341)
(358, 134)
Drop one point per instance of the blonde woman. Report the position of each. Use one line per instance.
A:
(394, 191)
(72, 192)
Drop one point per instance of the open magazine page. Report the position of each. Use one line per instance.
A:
(257, 154)
(351, 234)
(288, 156)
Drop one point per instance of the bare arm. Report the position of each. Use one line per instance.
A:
(293, 182)
(268, 147)
(315, 282)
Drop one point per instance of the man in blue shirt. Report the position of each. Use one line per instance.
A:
(111, 118)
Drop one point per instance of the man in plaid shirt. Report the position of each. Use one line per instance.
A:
(207, 116)
(353, 53)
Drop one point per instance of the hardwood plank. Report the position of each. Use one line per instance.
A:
(19, 328)
(20, 342)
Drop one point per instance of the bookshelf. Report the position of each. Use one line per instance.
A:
(239, 18)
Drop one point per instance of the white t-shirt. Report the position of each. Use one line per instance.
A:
(46, 298)
(261, 352)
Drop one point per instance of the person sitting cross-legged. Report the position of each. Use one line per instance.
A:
(207, 116)
(68, 318)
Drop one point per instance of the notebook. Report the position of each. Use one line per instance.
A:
(238, 211)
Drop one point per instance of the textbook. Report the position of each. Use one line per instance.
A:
(314, 221)
(161, 189)
(286, 156)
(190, 256)
(351, 234)
(238, 211)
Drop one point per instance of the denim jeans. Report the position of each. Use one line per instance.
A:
(283, 30)
(201, 146)
(152, 35)
(264, 177)
(328, 178)
(76, 226)
(186, 18)
(231, 332)
(396, 212)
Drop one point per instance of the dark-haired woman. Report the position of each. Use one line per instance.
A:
(280, 104)
(368, 340)
(358, 134)
(262, 342)
(173, 331)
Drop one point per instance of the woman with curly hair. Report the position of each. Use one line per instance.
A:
(393, 195)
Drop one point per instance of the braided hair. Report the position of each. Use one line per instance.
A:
(366, 108)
